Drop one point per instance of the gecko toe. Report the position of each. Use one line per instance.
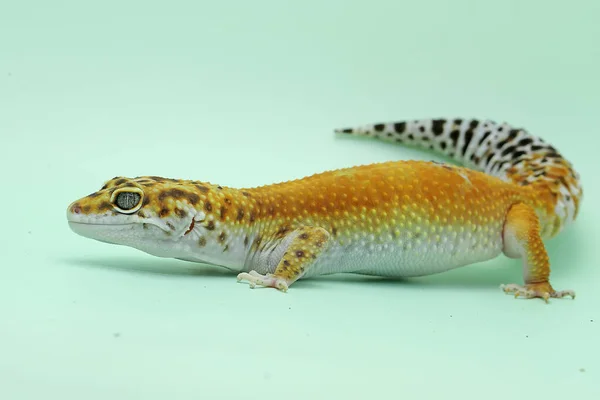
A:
(255, 279)
(536, 290)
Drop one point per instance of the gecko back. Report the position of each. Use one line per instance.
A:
(497, 149)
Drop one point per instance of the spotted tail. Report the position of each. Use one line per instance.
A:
(509, 153)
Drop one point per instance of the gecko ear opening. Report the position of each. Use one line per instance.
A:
(127, 200)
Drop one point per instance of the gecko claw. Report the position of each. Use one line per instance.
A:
(269, 280)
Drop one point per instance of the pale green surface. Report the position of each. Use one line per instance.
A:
(247, 93)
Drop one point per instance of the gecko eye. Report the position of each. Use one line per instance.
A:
(127, 200)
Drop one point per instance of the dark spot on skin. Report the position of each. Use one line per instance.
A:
(518, 154)
(104, 206)
(180, 213)
(286, 263)
(508, 150)
(120, 182)
(443, 145)
(174, 193)
(171, 226)
(240, 215)
(208, 206)
(222, 237)
(553, 155)
(390, 134)
(379, 127)
(228, 201)
(95, 194)
(163, 212)
(501, 144)
(223, 212)
(458, 121)
(146, 201)
(399, 140)
(485, 135)
(347, 130)
(246, 241)
(282, 231)
(104, 187)
(220, 187)
(513, 134)
(536, 147)
(246, 194)
(141, 214)
(454, 136)
(410, 136)
(210, 226)
(422, 129)
(86, 209)
(299, 253)
(304, 236)
(193, 198)
(201, 241)
(252, 216)
(499, 164)
(400, 127)
(489, 158)
(468, 138)
(525, 141)
(437, 126)
(145, 226)
(201, 188)
(225, 248)
(334, 231)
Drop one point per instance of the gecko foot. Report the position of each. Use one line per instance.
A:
(531, 290)
(268, 280)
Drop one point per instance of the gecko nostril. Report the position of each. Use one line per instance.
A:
(76, 209)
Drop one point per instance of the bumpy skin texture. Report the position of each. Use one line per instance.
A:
(402, 218)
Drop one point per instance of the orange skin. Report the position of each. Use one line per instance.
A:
(384, 200)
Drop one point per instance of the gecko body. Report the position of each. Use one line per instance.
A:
(393, 219)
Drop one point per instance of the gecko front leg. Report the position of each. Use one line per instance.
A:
(306, 244)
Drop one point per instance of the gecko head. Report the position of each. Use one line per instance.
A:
(138, 212)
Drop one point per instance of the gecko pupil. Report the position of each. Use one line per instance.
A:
(127, 200)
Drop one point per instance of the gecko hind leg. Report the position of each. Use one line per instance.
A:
(522, 240)
(306, 244)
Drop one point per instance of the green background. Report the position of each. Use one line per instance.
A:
(247, 93)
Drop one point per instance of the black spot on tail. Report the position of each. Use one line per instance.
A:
(454, 136)
(438, 126)
(468, 138)
(485, 135)
(400, 127)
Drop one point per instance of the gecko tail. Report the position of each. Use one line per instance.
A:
(497, 149)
